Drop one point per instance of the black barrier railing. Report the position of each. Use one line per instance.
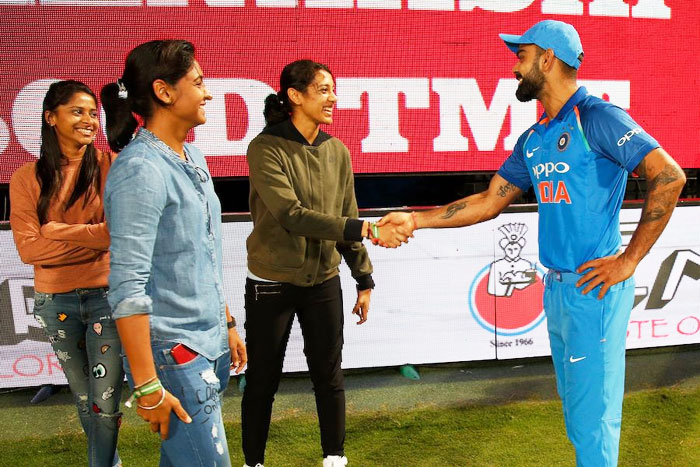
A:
(381, 191)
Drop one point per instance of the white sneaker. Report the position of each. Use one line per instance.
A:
(335, 461)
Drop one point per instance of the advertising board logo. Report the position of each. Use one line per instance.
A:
(505, 297)
(17, 322)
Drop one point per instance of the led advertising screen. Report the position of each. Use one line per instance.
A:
(423, 85)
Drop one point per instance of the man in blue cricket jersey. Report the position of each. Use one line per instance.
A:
(577, 158)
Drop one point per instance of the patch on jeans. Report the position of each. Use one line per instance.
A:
(214, 431)
(40, 320)
(109, 392)
(62, 355)
(209, 376)
(95, 408)
(97, 327)
(99, 371)
(119, 422)
(60, 334)
(219, 448)
(62, 317)
(104, 349)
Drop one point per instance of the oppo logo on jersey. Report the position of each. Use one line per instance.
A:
(546, 189)
(628, 136)
(549, 168)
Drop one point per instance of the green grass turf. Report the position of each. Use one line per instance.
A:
(661, 427)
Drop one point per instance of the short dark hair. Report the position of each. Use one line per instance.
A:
(570, 71)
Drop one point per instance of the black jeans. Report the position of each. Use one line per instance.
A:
(270, 310)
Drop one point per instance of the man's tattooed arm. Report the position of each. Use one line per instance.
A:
(503, 190)
(660, 199)
(452, 209)
(665, 180)
(472, 209)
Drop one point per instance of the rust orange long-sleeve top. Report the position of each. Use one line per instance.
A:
(70, 251)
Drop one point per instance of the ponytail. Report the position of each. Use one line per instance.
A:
(120, 123)
(277, 108)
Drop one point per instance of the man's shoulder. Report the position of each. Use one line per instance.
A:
(594, 107)
(526, 134)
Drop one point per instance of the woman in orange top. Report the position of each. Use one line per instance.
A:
(58, 225)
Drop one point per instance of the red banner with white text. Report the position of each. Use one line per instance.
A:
(423, 85)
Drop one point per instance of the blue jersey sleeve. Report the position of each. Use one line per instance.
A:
(514, 168)
(611, 131)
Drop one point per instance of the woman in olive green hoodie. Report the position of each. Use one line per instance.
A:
(304, 212)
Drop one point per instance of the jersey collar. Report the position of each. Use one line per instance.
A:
(577, 97)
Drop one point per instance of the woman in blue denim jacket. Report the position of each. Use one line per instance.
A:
(166, 273)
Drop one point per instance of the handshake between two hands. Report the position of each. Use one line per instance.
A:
(394, 229)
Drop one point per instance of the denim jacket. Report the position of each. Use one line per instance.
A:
(165, 225)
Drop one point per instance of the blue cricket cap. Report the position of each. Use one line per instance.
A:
(561, 37)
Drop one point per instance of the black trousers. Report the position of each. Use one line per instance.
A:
(270, 310)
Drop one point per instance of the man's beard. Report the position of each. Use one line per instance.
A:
(531, 85)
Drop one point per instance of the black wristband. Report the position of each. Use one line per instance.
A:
(365, 282)
(231, 324)
(353, 230)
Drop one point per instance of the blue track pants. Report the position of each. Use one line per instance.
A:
(587, 338)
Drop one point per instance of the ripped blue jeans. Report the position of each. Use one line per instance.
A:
(83, 334)
(199, 385)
